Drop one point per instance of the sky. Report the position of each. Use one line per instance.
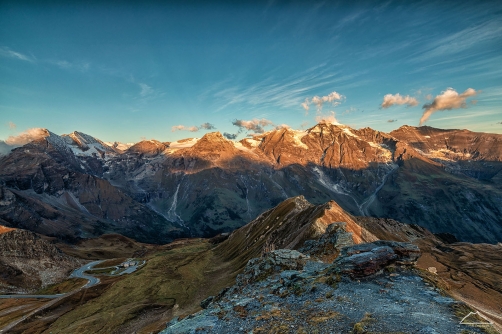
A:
(181, 69)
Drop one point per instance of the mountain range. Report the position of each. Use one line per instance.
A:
(76, 186)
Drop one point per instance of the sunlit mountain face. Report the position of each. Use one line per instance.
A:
(445, 180)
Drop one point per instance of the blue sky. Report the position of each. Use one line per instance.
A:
(132, 71)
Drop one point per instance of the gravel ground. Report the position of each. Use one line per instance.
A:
(309, 301)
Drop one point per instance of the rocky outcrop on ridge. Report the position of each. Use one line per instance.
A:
(286, 292)
(366, 259)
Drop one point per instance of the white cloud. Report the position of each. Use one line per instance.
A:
(193, 129)
(12, 125)
(390, 100)
(306, 106)
(27, 136)
(327, 118)
(178, 128)
(6, 52)
(282, 126)
(447, 100)
(334, 98)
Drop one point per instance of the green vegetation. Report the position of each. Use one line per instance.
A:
(359, 327)
(100, 271)
(63, 287)
(181, 276)
(110, 263)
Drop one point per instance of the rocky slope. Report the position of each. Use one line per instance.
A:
(157, 191)
(51, 186)
(285, 292)
(329, 279)
(28, 262)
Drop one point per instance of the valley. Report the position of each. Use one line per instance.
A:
(178, 276)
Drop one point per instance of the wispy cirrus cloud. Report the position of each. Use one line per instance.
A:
(12, 125)
(145, 89)
(193, 128)
(461, 41)
(8, 53)
(389, 100)
(81, 66)
(286, 92)
(447, 100)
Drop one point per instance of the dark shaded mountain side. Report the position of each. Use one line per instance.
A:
(51, 197)
(468, 208)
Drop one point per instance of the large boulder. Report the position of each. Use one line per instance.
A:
(366, 259)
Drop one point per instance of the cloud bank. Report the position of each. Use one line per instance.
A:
(447, 100)
(27, 136)
(389, 100)
(23, 138)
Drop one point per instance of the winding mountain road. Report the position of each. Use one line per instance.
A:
(77, 273)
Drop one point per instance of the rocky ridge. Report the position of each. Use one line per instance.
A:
(285, 291)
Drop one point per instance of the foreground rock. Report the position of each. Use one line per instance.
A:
(286, 292)
(366, 259)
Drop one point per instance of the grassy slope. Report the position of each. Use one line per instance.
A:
(180, 276)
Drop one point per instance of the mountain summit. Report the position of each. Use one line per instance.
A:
(445, 180)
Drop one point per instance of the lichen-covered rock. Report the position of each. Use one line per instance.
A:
(278, 260)
(366, 259)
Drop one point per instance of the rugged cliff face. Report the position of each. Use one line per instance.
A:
(27, 262)
(157, 191)
(48, 189)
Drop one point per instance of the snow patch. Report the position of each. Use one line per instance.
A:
(184, 143)
(349, 133)
(297, 136)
